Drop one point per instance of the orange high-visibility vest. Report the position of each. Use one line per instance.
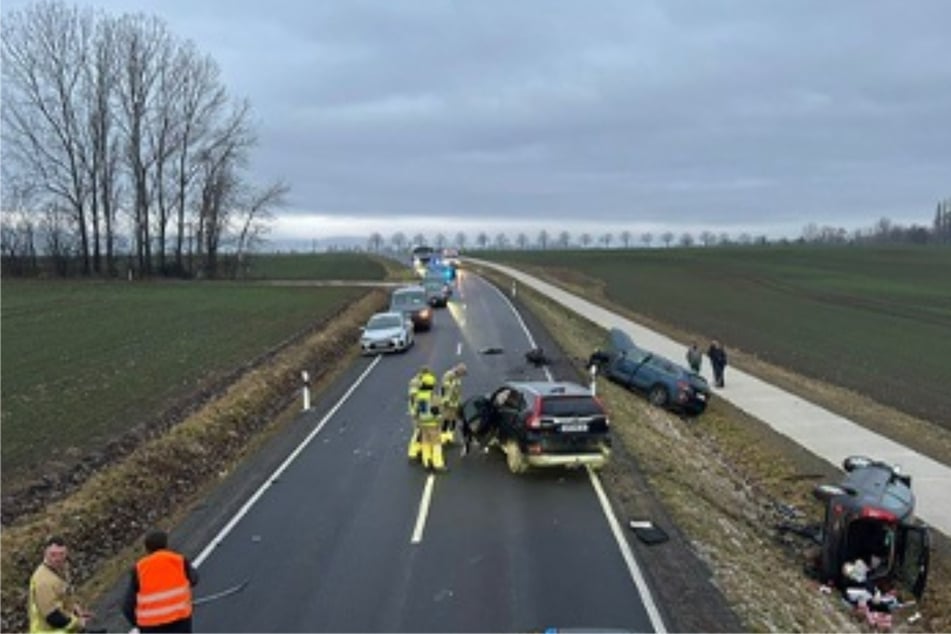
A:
(165, 594)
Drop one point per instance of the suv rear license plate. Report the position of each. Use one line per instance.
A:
(575, 427)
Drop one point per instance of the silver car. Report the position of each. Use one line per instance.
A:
(386, 332)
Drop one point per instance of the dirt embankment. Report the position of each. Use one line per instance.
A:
(103, 509)
(726, 480)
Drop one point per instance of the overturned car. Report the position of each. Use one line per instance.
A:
(869, 524)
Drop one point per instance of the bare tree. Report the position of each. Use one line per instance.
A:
(440, 240)
(522, 241)
(724, 239)
(543, 239)
(375, 242)
(606, 240)
(626, 239)
(398, 240)
(482, 239)
(686, 239)
(143, 44)
(564, 239)
(253, 215)
(647, 237)
(501, 241)
(202, 103)
(460, 240)
(419, 239)
(585, 239)
(667, 237)
(707, 238)
(44, 50)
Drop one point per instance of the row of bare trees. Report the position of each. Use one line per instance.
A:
(883, 232)
(120, 140)
(562, 240)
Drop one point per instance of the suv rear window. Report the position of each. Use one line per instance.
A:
(570, 406)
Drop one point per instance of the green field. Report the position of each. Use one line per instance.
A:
(320, 266)
(876, 320)
(83, 361)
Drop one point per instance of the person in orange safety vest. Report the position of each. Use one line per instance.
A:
(159, 596)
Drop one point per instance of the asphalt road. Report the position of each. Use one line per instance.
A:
(351, 536)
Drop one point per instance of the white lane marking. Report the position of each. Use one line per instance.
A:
(423, 510)
(531, 340)
(656, 621)
(277, 473)
(652, 612)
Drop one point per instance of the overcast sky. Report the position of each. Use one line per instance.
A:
(595, 116)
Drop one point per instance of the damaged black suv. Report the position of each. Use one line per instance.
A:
(539, 424)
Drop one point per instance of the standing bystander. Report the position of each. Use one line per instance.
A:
(694, 357)
(717, 355)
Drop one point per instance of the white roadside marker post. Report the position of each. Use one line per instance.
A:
(306, 377)
(514, 288)
(594, 374)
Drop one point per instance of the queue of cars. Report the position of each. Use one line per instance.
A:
(411, 307)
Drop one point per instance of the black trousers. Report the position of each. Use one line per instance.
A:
(181, 625)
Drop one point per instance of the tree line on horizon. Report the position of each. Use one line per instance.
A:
(883, 232)
(122, 150)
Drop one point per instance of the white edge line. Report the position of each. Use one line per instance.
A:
(652, 612)
(270, 480)
(423, 510)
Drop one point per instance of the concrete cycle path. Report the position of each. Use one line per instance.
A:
(825, 434)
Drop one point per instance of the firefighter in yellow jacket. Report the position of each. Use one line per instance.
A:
(451, 389)
(415, 447)
(428, 422)
(52, 606)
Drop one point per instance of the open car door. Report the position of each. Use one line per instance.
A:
(475, 413)
(914, 546)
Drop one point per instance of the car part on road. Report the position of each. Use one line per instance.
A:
(235, 589)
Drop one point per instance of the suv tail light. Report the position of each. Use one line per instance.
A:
(535, 418)
(871, 512)
(604, 410)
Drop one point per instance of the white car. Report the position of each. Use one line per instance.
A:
(386, 332)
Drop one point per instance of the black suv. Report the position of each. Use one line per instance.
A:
(539, 424)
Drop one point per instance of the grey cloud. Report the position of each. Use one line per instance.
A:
(709, 112)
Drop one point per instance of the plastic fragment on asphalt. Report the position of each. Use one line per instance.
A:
(647, 532)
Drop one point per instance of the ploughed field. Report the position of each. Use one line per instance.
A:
(85, 362)
(876, 320)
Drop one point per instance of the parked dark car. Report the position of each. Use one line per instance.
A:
(665, 383)
(869, 515)
(540, 424)
(412, 302)
(438, 290)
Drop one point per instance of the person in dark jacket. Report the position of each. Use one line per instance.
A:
(159, 598)
(717, 356)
